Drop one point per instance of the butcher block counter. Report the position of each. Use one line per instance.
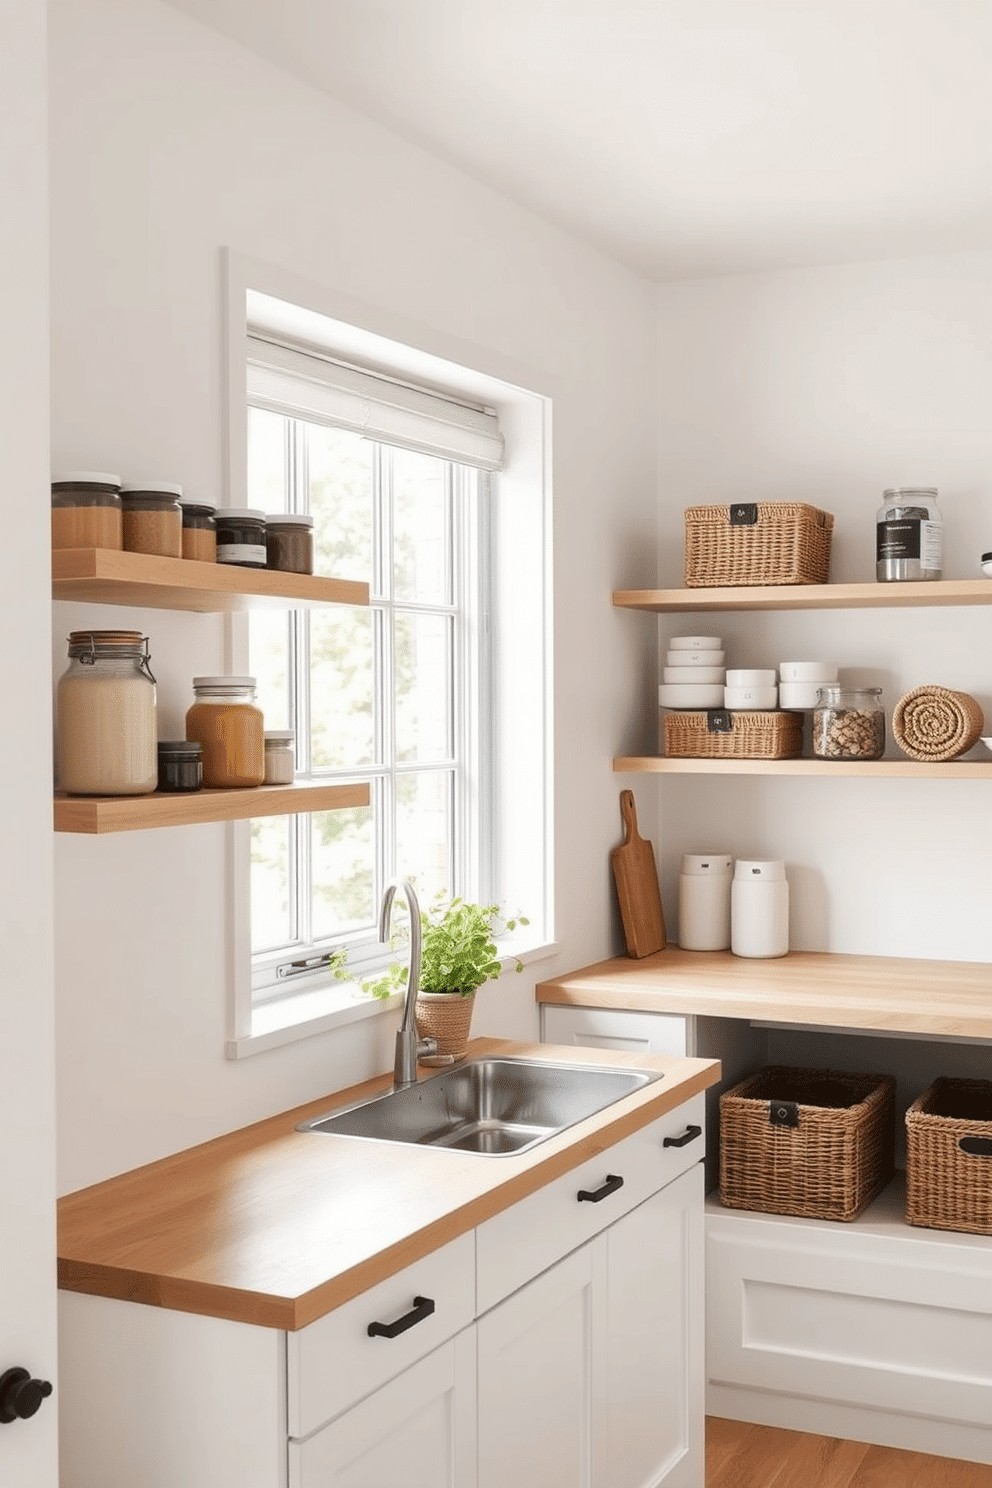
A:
(275, 1227)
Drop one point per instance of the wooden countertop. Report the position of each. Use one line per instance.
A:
(882, 993)
(273, 1226)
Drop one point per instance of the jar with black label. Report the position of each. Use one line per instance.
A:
(909, 535)
(241, 537)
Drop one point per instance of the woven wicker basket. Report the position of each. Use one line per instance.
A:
(816, 1143)
(949, 1185)
(761, 542)
(704, 735)
(447, 1017)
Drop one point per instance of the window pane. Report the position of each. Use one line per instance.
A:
(423, 687)
(268, 652)
(266, 460)
(423, 831)
(342, 721)
(421, 526)
(340, 465)
(271, 924)
(343, 847)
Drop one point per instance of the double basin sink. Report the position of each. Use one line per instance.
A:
(490, 1106)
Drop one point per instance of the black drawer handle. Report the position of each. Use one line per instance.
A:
(422, 1308)
(689, 1135)
(593, 1196)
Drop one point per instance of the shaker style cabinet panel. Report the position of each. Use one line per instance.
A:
(418, 1431)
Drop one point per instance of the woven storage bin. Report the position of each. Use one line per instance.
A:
(761, 542)
(751, 735)
(949, 1187)
(817, 1143)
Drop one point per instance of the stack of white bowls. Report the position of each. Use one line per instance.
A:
(751, 688)
(694, 673)
(800, 681)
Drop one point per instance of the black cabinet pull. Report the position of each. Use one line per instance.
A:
(689, 1135)
(422, 1308)
(593, 1196)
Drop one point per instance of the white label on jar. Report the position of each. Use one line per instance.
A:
(931, 545)
(241, 553)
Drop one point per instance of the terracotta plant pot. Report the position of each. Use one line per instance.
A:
(447, 1017)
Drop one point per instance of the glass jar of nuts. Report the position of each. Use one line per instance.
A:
(849, 724)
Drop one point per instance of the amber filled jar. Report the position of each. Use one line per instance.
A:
(199, 530)
(86, 510)
(226, 721)
(105, 716)
(289, 543)
(153, 520)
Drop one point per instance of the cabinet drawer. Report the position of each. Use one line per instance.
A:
(614, 1028)
(526, 1239)
(334, 1362)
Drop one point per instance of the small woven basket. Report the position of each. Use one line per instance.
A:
(810, 1142)
(760, 542)
(949, 1157)
(750, 735)
(447, 1017)
(935, 723)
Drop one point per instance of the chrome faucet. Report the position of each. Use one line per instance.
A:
(408, 1046)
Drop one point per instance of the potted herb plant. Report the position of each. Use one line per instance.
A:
(458, 953)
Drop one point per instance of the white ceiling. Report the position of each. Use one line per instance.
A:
(682, 137)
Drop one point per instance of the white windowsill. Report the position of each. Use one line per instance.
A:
(336, 1003)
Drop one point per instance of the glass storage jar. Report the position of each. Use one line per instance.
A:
(849, 723)
(105, 716)
(241, 537)
(289, 543)
(180, 765)
(86, 510)
(199, 530)
(280, 764)
(226, 721)
(153, 520)
(909, 535)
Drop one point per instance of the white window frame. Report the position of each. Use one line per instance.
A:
(522, 824)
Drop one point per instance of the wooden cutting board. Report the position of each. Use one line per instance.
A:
(636, 878)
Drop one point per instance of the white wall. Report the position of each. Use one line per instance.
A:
(826, 386)
(167, 143)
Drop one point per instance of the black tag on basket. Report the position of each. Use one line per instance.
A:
(719, 721)
(783, 1113)
(744, 514)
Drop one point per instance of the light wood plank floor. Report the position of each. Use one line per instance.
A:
(741, 1455)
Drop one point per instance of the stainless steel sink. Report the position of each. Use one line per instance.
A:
(489, 1106)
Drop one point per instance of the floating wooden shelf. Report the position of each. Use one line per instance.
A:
(885, 994)
(808, 597)
(99, 814)
(979, 769)
(103, 576)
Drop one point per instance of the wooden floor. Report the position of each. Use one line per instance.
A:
(740, 1455)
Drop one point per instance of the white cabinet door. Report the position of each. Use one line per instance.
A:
(539, 1378)
(652, 1319)
(418, 1431)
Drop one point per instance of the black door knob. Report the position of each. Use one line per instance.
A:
(20, 1395)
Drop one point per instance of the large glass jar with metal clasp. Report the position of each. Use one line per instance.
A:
(106, 733)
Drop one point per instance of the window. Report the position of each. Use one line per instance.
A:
(397, 695)
(439, 695)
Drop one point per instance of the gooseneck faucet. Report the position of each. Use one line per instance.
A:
(408, 1045)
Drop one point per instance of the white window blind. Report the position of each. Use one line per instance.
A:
(304, 384)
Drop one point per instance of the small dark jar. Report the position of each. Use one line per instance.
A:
(240, 537)
(289, 543)
(180, 765)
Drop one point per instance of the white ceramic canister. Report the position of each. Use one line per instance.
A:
(695, 643)
(763, 699)
(759, 909)
(704, 902)
(693, 676)
(808, 671)
(675, 695)
(694, 658)
(751, 677)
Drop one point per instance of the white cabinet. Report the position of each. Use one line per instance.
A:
(598, 1362)
(418, 1430)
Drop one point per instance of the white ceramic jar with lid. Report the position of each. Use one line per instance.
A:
(704, 902)
(280, 762)
(759, 909)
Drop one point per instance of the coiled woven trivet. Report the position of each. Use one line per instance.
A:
(934, 723)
